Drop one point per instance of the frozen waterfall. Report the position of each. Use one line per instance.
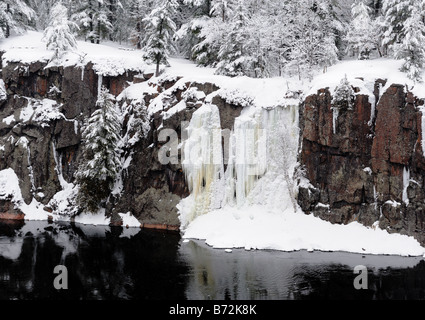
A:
(248, 165)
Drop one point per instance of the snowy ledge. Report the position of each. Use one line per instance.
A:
(11, 191)
(257, 227)
(108, 60)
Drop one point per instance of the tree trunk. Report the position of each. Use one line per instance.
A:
(7, 31)
(139, 30)
(98, 25)
(157, 68)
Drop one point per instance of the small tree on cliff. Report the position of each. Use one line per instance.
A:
(343, 95)
(58, 34)
(101, 152)
(160, 31)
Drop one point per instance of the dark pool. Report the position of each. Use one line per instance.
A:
(133, 264)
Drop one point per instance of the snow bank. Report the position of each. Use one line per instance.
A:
(10, 189)
(107, 60)
(128, 220)
(256, 227)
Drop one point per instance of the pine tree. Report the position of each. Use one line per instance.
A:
(362, 36)
(102, 155)
(395, 13)
(92, 16)
(313, 37)
(138, 10)
(222, 8)
(14, 16)
(160, 31)
(411, 48)
(58, 34)
(343, 95)
(233, 57)
(405, 34)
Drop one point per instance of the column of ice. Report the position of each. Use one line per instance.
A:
(203, 162)
(247, 157)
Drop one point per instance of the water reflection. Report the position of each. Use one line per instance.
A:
(117, 263)
(102, 262)
(271, 275)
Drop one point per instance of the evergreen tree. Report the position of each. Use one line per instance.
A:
(313, 37)
(58, 34)
(233, 57)
(343, 96)
(222, 8)
(405, 34)
(362, 36)
(92, 17)
(160, 31)
(102, 155)
(395, 12)
(138, 10)
(411, 48)
(14, 16)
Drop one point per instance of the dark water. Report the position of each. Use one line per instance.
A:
(114, 263)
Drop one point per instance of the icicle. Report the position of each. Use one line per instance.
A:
(406, 180)
(82, 73)
(203, 161)
(262, 151)
(99, 83)
(335, 115)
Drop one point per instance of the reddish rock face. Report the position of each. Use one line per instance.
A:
(8, 212)
(360, 167)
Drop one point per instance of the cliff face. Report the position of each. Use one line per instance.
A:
(365, 165)
(40, 138)
(371, 167)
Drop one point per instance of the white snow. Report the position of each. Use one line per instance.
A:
(9, 188)
(255, 227)
(264, 219)
(129, 220)
(3, 94)
(8, 120)
(40, 111)
(106, 59)
(363, 73)
(97, 218)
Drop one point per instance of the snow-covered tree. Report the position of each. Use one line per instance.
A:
(14, 16)
(101, 153)
(234, 57)
(58, 35)
(395, 14)
(411, 48)
(160, 31)
(362, 36)
(405, 33)
(313, 45)
(343, 96)
(223, 8)
(206, 36)
(138, 9)
(93, 18)
(204, 5)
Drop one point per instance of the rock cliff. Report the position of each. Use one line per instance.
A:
(367, 164)
(370, 167)
(40, 137)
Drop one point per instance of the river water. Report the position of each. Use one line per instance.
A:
(118, 263)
